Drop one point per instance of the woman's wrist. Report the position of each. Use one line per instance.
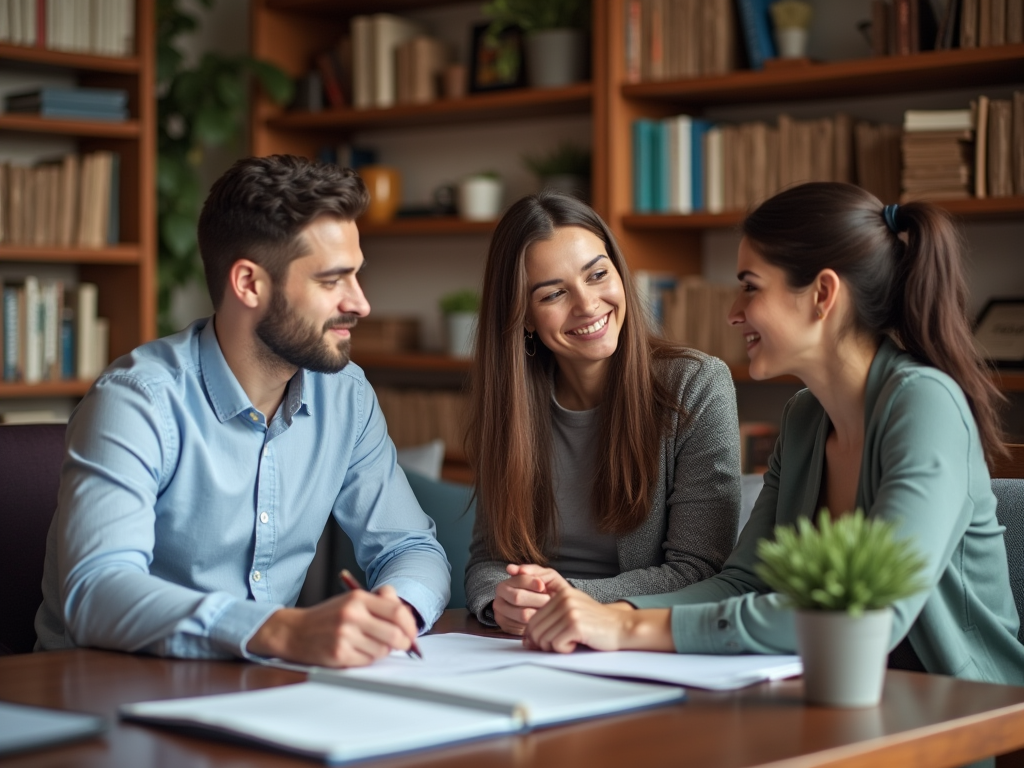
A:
(647, 630)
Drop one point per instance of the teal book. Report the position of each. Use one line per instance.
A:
(698, 129)
(659, 167)
(643, 201)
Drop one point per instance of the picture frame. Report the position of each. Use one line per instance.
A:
(496, 62)
(999, 332)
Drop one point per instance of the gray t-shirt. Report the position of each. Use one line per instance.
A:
(580, 551)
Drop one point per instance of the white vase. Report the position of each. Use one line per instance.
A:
(461, 333)
(844, 656)
(555, 57)
(792, 42)
(480, 198)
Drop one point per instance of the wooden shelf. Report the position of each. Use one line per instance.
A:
(504, 105)
(410, 361)
(115, 254)
(82, 61)
(1009, 381)
(351, 7)
(45, 389)
(127, 129)
(928, 71)
(440, 225)
(988, 209)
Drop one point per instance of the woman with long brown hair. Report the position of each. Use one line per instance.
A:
(864, 303)
(603, 454)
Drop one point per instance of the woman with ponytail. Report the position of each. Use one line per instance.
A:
(864, 303)
(603, 454)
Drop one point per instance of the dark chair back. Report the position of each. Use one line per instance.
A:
(1008, 486)
(30, 459)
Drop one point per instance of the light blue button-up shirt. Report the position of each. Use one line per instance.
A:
(185, 519)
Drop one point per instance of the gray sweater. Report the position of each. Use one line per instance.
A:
(692, 524)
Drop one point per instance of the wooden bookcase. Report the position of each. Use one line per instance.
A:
(125, 273)
(289, 32)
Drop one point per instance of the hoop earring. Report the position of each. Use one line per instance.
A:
(529, 344)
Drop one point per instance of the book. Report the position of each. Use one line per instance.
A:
(25, 727)
(1014, 21)
(330, 80)
(757, 34)
(937, 120)
(1000, 172)
(979, 107)
(643, 149)
(659, 174)
(969, 24)
(341, 719)
(112, 99)
(698, 130)
(1018, 142)
(387, 32)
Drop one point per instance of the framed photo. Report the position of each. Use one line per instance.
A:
(999, 332)
(496, 62)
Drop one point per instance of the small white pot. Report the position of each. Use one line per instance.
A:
(792, 42)
(844, 656)
(461, 333)
(555, 57)
(480, 198)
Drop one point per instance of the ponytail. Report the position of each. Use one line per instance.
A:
(912, 290)
(930, 314)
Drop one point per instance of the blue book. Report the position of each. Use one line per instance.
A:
(11, 332)
(82, 98)
(659, 167)
(77, 113)
(757, 33)
(642, 183)
(67, 344)
(698, 128)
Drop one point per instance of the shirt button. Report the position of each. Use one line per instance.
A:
(256, 576)
(253, 416)
(723, 624)
(264, 517)
(266, 450)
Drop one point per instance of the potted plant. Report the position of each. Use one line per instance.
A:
(480, 196)
(460, 310)
(565, 169)
(555, 40)
(842, 577)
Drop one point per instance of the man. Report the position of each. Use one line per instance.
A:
(201, 468)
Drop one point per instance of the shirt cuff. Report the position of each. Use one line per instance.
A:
(427, 603)
(705, 628)
(238, 623)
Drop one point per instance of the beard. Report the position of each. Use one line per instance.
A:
(289, 339)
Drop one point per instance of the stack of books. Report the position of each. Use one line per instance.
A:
(999, 146)
(393, 61)
(878, 158)
(696, 313)
(938, 149)
(109, 104)
(417, 416)
(100, 27)
(73, 201)
(50, 331)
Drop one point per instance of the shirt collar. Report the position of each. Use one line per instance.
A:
(225, 393)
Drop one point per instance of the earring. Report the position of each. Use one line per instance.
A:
(530, 344)
(820, 313)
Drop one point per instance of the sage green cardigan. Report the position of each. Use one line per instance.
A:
(923, 467)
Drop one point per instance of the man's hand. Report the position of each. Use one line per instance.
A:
(519, 597)
(350, 630)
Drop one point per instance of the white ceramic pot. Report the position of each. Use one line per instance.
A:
(555, 57)
(480, 198)
(792, 42)
(461, 333)
(844, 656)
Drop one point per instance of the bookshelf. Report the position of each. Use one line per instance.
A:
(125, 273)
(288, 32)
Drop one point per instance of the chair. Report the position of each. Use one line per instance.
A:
(30, 455)
(448, 504)
(1008, 486)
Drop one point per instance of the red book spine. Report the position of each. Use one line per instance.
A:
(40, 23)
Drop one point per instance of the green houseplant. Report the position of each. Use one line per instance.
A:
(460, 310)
(198, 107)
(566, 168)
(842, 577)
(555, 39)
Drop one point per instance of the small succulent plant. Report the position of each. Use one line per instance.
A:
(852, 564)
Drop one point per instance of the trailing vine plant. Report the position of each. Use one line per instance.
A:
(198, 107)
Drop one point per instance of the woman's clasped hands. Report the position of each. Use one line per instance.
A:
(552, 615)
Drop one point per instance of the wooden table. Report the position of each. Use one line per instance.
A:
(924, 720)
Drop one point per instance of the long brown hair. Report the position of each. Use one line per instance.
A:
(912, 291)
(509, 437)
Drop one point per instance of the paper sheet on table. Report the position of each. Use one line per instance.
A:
(453, 654)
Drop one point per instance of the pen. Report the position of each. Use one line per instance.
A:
(351, 584)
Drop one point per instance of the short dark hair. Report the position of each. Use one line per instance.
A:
(258, 207)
